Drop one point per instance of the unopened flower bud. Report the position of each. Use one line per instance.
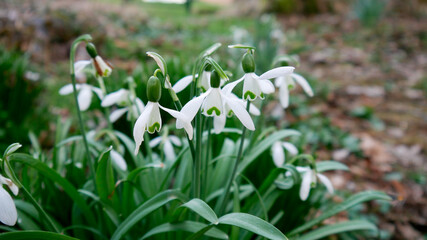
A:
(103, 68)
(154, 89)
(248, 63)
(215, 79)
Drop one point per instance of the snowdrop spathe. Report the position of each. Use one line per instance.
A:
(214, 102)
(122, 97)
(150, 119)
(84, 98)
(8, 213)
(278, 152)
(287, 82)
(255, 86)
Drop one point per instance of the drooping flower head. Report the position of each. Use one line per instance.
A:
(150, 119)
(287, 83)
(8, 213)
(166, 142)
(215, 103)
(84, 98)
(255, 86)
(102, 67)
(309, 179)
(278, 152)
(129, 103)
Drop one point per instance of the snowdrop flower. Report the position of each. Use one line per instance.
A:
(287, 82)
(168, 142)
(213, 103)
(204, 82)
(309, 179)
(279, 154)
(123, 98)
(150, 119)
(102, 67)
(219, 121)
(84, 97)
(8, 213)
(255, 86)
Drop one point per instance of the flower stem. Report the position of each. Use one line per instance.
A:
(233, 174)
(206, 160)
(198, 163)
(79, 115)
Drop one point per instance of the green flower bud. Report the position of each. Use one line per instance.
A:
(248, 63)
(91, 50)
(215, 79)
(154, 89)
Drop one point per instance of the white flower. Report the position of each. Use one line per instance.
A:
(287, 82)
(309, 179)
(215, 103)
(204, 82)
(8, 213)
(123, 98)
(84, 97)
(151, 121)
(219, 121)
(255, 86)
(167, 142)
(279, 154)
(103, 68)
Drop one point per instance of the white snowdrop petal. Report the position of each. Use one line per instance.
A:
(290, 147)
(254, 110)
(84, 98)
(227, 89)
(98, 92)
(303, 83)
(240, 112)
(305, 185)
(114, 97)
(284, 96)
(251, 87)
(80, 65)
(279, 81)
(118, 160)
(278, 154)
(175, 140)
(67, 89)
(213, 104)
(154, 119)
(182, 83)
(219, 123)
(184, 120)
(192, 107)
(116, 114)
(8, 213)
(169, 151)
(205, 80)
(326, 182)
(266, 86)
(156, 141)
(277, 72)
(140, 125)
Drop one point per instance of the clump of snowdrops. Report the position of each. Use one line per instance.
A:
(213, 169)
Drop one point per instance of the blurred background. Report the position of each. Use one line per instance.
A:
(365, 59)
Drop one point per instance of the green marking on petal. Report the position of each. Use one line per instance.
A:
(230, 113)
(261, 95)
(155, 127)
(212, 109)
(249, 94)
(291, 86)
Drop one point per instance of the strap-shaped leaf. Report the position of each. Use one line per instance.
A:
(187, 226)
(146, 208)
(34, 235)
(348, 226)
(336, 208)
(330, 165)
(253, 224)
(105, 177)
(203, 209)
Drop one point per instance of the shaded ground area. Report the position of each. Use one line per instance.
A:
(377, 79)
(371, 82)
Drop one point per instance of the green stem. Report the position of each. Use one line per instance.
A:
(206, 161)
(147, 146)
(104, 93)
(198, 162)
(233, 174)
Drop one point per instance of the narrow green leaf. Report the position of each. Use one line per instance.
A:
(348, 226)
(264, 145)
(336, 208)
(146, 208)
(187, 226)
(330, 165)
(211, 50)
(34, 235)
(55, 177)
(104, 178)
(253, 224)
(203, 209)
